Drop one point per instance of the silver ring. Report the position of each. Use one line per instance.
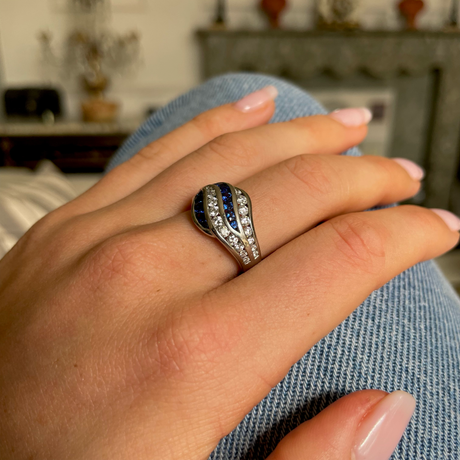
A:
(225, 212)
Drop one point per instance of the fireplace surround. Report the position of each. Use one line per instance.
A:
(422, 68)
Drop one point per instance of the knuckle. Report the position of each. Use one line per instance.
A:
(190, 342)
(303, 122)
(383, 168)
(421, 218)
(154, 150)
(312, 127)
(35, 235)
(360, 242)
(209, 125)
(316, 176)
(123, 260)
(234, 150)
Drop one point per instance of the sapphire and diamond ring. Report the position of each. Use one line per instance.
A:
(224, 212)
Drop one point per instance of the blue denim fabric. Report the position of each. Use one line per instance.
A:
(405, 336)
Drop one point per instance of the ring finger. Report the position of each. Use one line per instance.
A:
(288, 199)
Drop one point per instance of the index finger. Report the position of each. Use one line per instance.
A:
(253, 110)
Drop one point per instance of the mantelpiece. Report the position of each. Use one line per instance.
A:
(422, 67)
(73, 146)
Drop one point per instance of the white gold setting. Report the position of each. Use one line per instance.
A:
(225, 212)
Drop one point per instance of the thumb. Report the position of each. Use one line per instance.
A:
(366, 425)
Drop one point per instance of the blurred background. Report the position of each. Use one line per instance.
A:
(78, 76)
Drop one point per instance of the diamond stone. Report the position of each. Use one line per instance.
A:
(241, 200)
(245, 220)
(256, 254)
(251, 240)
(213, 213)
(224, 231)
(243, 254)
(254, 248)
(248, 231)
(233, 240)
(247, 260)
(243, 210)
(211, 191)
(212, 204)
(217, 222)
(238, 191)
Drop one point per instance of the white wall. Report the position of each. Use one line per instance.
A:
(169, 48)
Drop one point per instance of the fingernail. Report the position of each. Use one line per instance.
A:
(414, 170)
(451, 220)
(382, 429)
(254, 101)
(352, 117)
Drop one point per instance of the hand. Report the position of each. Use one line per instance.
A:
(124, 331)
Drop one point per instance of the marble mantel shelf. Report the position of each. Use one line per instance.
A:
(381, 54)
(427, 117)
(67, 128)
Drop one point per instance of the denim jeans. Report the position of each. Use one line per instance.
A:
(405, 336)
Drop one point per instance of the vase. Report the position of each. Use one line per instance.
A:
(410, 9)
(96, 108)
(99, 110)
(273, 10)
(338, 14)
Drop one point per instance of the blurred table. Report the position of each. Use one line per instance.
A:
(73, 146)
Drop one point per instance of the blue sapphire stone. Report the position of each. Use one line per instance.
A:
(224, 188)
(199, 210)
(228, 204)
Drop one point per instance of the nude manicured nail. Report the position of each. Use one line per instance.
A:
(255, 100)
(451, 220)
(413, 169)
(352, 117)
(382, 429)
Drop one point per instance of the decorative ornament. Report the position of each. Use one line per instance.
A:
(452, 25)
(410, 9)
(92, 52)
(273, 10)
(338, 14)
(219, 21)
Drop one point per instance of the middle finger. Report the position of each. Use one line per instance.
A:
(233, 158)
(288, 199)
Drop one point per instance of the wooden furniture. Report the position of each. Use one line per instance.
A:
(423, 69)
(72, 146)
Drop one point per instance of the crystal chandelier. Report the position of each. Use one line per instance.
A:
(92, 50)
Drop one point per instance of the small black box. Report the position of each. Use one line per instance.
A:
(32, 102)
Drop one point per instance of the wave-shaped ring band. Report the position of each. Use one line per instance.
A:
(224, 212)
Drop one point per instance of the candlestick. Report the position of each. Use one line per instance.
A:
(453, 20)
(219, 21)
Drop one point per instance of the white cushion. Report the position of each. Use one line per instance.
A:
(26, 196)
